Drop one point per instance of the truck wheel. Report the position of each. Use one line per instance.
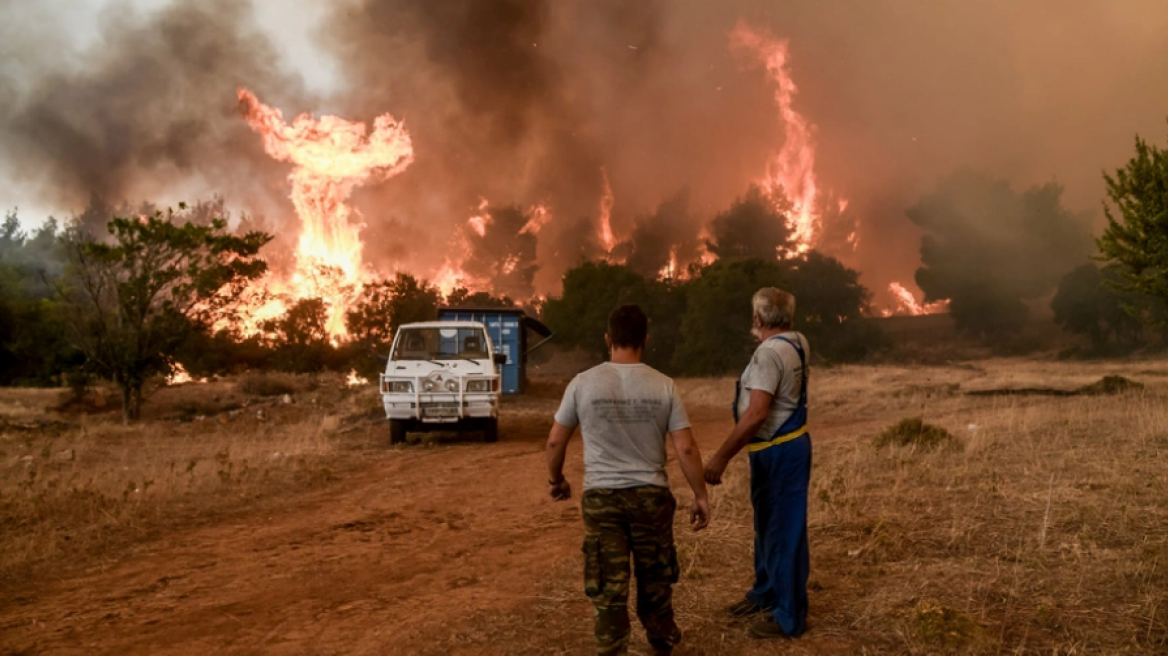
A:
(397, 431)
(491, 430)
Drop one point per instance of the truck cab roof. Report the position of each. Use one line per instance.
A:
(443, 324)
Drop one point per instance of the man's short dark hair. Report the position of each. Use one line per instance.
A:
(628, 327)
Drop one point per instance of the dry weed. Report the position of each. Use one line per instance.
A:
(94, 483)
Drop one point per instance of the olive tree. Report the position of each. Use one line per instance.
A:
(135, 296)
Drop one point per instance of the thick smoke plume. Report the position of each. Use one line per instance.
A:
(539, 102)
(147, 111)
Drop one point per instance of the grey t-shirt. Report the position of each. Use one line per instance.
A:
(775, 368)
(624, 412)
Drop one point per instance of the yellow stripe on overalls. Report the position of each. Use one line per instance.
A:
(759, 446)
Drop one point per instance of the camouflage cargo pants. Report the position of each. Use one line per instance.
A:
(617, 523)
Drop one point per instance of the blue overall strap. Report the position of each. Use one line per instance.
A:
(796, 424)
(802, 363)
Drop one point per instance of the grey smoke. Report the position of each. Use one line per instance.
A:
(524, 102)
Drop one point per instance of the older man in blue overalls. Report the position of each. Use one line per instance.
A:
(770, 413)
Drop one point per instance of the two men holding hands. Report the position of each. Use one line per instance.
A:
(626, 410)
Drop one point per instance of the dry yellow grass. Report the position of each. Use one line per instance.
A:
(1045, 534)
(80, 483)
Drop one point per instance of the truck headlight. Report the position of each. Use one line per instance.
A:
(429, 386)
(482, 385)
(452, 385)
(401, 387)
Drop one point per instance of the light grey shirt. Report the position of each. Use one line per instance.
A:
(624, 412)
(775, 368)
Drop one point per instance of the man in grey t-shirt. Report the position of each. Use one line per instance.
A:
(625, 409)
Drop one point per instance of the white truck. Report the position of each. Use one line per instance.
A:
(442, 375)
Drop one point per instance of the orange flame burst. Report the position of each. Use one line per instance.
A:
(671, 270)
(330, 157)
(180, 376)
(908, 304)
(607, 200)
(540, 215)
(791, 171)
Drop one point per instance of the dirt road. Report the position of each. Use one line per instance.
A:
(422, 549)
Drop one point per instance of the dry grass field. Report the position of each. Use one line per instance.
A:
(235, 522)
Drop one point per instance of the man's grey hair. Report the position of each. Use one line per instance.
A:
(774, 307)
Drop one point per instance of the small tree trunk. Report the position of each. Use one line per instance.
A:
(131, 402)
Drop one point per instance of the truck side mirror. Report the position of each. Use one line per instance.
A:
(500, 359)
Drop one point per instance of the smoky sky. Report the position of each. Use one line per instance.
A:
(146, 109)
(535, 101)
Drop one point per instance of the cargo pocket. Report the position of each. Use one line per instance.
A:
(672, 570)
(593, 582)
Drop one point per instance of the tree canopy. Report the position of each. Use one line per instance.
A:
(755, 226)
(380, 309)
(1136, 237)
(135, 298)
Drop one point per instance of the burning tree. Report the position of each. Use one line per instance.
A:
(135, 298)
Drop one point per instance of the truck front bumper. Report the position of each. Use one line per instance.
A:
(440, 408)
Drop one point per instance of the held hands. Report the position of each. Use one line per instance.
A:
(560, 490)
(699, 514)
(715, 467)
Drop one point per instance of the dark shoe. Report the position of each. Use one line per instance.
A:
(745, 608)
(663, 647)
(766, 630)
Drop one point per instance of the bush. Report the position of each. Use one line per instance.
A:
(592, 290)
(913, 431)
(715, 330)
(829, 309)
(300, 339)
(830, 305)
(1088, 304)
(375, 317)
(1110, 385)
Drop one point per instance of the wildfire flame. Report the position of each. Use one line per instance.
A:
(670, 270)
(354, 380)
(330, 158)
(791, 171)
(907, 303)
(540, 215)
(180, 376)
(478, 222)
(607, 200)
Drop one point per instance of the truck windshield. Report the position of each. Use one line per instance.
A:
(440, 344)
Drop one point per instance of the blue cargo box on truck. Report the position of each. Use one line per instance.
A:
(507, 328)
